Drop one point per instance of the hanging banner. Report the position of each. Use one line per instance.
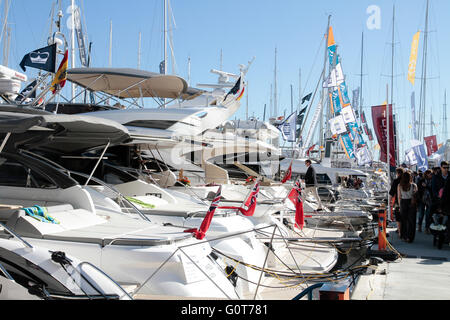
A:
(355, 101)
(80, 37)
(410, 157)
(380, 126)
(413, 58)
(355, 135)
(337, 125)
(336, 77)
(370, 135)
(432, 145)
(363, 156)
(344, 94)
(363, 118)
(348, 114)
(336, 106)
(312, 126)
(347, 145)
(288, 128)
(421, 157)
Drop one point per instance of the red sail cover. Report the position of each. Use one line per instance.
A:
(432, 145)
(380, 127)
(200, 233)
(296, 197)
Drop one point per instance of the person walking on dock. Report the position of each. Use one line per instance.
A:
(437, 188)
(406, 192)
(311, 183)
(393, 195)
(424, 201)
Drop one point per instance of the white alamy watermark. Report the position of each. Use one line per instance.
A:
(75, 11)
(374, 20)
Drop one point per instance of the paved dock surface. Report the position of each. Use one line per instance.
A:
(423, 274)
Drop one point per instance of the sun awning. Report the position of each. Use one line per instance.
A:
(131, 83)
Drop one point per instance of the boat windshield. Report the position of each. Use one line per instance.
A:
(81, 282)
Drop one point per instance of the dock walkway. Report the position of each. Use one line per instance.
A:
(422, 274)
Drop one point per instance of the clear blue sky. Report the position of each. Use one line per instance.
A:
(246, 28)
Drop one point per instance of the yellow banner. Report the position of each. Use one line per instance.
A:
(413, 58)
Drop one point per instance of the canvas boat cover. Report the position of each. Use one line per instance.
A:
(132, 83)
(61, 133)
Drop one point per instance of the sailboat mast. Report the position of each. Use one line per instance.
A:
(424, 77)
(139, 50)
(392, 85)
(165, 35)
(299, 87)
(72, 53)
(189, 71)
(361, 78)
(110, 43)
(444, 127)
(392, 58)
(325, 91)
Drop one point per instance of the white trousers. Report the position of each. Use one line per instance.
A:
(313, 191)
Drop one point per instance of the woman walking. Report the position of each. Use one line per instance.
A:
(408, 209)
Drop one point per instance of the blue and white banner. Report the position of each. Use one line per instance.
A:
(410, 157)
(421, 156)
(363, 156)
(288, 128)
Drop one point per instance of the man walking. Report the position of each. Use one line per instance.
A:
(311, 184)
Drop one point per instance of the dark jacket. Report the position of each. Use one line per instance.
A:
(445, 200)
(437, 183)
(310, 177)
(394, 185)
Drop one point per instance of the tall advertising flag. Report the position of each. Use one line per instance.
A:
(413, 58)
(421, 156)
(380, 126)
(432, 145)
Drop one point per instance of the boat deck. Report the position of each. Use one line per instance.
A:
(423, 273)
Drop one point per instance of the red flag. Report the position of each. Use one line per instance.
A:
(61, 75)
(296, 197)
(288, 174)
(432, 145)
(380, 126)
(200, 234)
(250, 203)
(310, 149)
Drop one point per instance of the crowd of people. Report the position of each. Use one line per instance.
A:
(422, 201)
(351, 182)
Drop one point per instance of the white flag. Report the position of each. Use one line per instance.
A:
(288, 127)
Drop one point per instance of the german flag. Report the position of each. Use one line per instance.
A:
(61, 75)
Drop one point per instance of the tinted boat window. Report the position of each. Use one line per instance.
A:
(13, 174)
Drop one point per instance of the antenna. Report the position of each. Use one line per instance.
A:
(110, 43)
(189, 71)
(139, 50)
(275, 102)
(246, 109)
(444, 127)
